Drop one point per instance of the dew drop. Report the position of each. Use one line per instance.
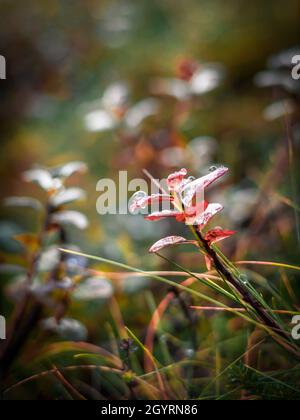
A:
(189, 353)
(213, 168)
(244, 278)
(139, 195)
(138, 200)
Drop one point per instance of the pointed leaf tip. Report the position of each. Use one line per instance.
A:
(208, 214)
(141, 200)
(39, 176)
(67, 196)
(189, 190)
(163, 214)
(218, 234)
(169, 241)
(70, 218)
(175, 179)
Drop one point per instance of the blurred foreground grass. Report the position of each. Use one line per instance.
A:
(62, 57)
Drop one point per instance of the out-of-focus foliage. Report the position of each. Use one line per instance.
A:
(156, 85)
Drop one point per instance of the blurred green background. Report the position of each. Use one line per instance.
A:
(63, 55)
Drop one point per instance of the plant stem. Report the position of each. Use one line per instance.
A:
(246, 295)
(27, 313)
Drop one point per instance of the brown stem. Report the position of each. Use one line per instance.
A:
(18, 337)
(26, 314)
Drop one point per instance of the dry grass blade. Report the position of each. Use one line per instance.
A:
(71, 346)
(154, 324)
(63, 369)
(270, 264)
(218, 309)
(69, 387)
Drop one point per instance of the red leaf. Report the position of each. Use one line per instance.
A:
(209, 262)
(189, 190)
(169, 241)
(164, 214)
(211, 210)
(140, 200)
(175, 179)
(194, 212)
(218, 234)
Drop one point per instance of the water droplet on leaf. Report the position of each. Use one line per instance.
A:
(67, 328)
(93, 288)
(138, 200)
(213, 168)
(189, 353)
(139, 195)
(244, 278)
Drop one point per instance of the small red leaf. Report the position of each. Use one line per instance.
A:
(189, 190)
(194, 212)
(175, 179)
(211, 210)
(209, 262)
(140, 200)
(163, 214)
(169, 241)
(218, 234)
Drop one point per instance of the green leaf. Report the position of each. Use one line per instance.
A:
(68, 328)
(70, 218)
(93, 288)
(40, 177)
(132, 284)
(17, 288)
(49, 259)
(71, 168)
(67, 196)
(12, 269)
(23, 202)
(29, 241)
